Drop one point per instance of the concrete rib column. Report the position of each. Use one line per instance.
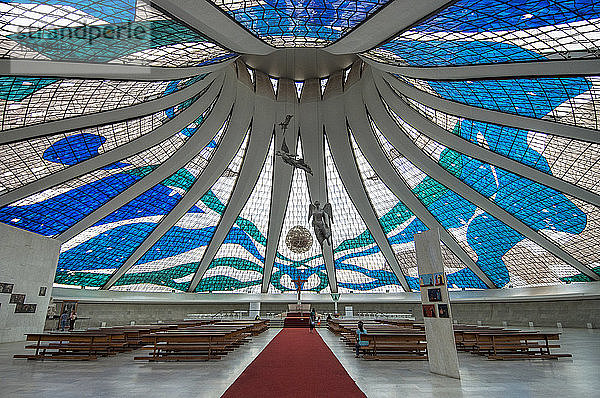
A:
(183, 155)
(372, 151)
(343, 157)
(311, 135)
(90, 70)
(254, 159)
(529, 69)
(224, 154)
(282, 175)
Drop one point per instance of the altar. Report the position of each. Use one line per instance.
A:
(302, 308)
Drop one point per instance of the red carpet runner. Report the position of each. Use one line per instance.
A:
(296, 363)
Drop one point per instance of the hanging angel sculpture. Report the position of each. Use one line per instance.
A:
(285, 154)
(321, 221)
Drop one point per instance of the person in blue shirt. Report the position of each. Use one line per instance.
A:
(359, 341)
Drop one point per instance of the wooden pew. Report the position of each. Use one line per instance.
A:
(400, 339)
(200, 343)
(385, 341)
(73, 345)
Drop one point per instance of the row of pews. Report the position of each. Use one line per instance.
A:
(200, 343)
(405, 340)
(182, 340)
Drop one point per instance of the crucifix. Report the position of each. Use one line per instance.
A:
(299, 282)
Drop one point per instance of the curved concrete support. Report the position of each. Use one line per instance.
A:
(282, 176)
(313, 150)
(254, 159)
(429, 128)
(372, 151)
(397, 137)
(341, 151)
(180, 158)
(230, 143)
(520, 70)
(395, 17)
(111, 116)
(119, 153)
(495, 117)
(88, 70)
(208, 19)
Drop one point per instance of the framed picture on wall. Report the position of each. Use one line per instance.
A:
(434, 294)
(443, 311)
(43, 290)
(429, 310)
(439, 279)
(426, 280)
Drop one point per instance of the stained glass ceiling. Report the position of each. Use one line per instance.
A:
(140, 192)
(293, 23)
(494, 31)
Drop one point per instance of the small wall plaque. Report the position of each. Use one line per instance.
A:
(6, 287)
(17, 299)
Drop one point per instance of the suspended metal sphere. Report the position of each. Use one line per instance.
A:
(299, 239)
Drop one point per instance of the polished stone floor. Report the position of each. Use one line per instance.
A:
(577, 377)
(120, 376)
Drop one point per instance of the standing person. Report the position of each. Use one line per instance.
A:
(359, 341)
(313, 320)
(64, 320)
(72, 319)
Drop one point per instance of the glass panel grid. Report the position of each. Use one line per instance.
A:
(26, 161)
(294, 23)
(563, 100)
(172, 261)
(400, 226)
(117, 31)
(238, 264)
(359, 263)
(487, 240)
(571, 160)
(493, 31)
(552, 213)
(106, 246)
(26, 101)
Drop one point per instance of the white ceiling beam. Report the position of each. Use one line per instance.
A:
(254, 159)
(282, 175)
(520, 70)
(210, 125)
(211, 21)
(224, 154)
(110, 116)
(386, 23)
(333, 114)
(495, 117)
(435, 132)
(138, 145)
(372, 151)
(313, 151)
(398, 139)
(102, 71)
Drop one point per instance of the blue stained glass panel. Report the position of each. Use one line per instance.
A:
(298, 23)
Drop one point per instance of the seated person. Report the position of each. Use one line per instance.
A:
(359, 342)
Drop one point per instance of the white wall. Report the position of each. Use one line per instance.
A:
(27, 261)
